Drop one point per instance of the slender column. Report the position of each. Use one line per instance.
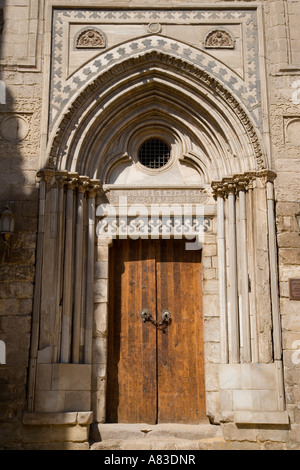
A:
(79, 247)
(274, 273)
(244, 279)
(235, 343)
(37, 298)
(222, 279)
(61, 179)
(90, 274)
(68, 265)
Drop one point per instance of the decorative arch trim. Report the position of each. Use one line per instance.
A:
(64, 92)
(206, 83)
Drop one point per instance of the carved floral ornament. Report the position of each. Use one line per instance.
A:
(219, 39)
(90, 38)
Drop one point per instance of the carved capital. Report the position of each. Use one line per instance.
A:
(48, 176)
(61, 178)
(266, 176)
(234, 184)
(72, 180)
(83, 184)
(94, 188)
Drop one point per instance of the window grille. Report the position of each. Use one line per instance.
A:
(154, 153)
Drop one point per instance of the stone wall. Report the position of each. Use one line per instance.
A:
(283, 48)
(20, 118)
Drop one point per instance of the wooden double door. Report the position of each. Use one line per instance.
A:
(155, 372)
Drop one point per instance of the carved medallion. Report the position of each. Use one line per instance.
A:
(14, 128)
(90, 39)
(292, 131)
(219, 39)
(154, 28)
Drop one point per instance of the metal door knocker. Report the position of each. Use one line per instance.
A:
(161, 326)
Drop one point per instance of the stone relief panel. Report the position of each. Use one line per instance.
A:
(90, 38)
(219, 39)
(292, 130)
(180, 34)
(20, 124)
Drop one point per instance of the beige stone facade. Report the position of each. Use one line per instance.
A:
(83, 86)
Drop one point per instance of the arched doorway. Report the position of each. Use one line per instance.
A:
(216, 162)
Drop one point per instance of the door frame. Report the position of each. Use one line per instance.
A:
(101, 309)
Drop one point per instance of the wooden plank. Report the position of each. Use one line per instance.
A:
(181, 393)
(131, 393)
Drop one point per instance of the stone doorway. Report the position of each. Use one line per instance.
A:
(155, 369)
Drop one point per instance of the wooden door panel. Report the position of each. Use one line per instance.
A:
(180, 350)
(132, 385)
(155, 376)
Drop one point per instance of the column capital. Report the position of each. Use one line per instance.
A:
(239, 182)
(94, 187)
(83, 184)
(72, 180)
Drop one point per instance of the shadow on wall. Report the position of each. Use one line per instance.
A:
(18, 190)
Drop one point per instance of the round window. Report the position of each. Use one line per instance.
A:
(154, 153)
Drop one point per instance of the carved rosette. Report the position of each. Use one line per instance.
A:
(91, 38)
(219, 39)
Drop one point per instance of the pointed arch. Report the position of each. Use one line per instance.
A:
(214, 131)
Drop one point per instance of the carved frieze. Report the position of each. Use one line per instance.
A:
(155, 20)
(158, 196)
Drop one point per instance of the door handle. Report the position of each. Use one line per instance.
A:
(166, 316)
(163, 325)
(146, 315)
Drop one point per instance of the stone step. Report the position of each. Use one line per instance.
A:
(174, 444)
(157, 437)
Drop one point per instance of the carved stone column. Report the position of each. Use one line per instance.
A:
(63, 303)
(244, 272)
(220, 195)
(233, 278)
(83, 185)
(66, 333)
(235, 321)
(91, 209)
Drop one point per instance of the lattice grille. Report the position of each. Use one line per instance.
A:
(154, 153)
